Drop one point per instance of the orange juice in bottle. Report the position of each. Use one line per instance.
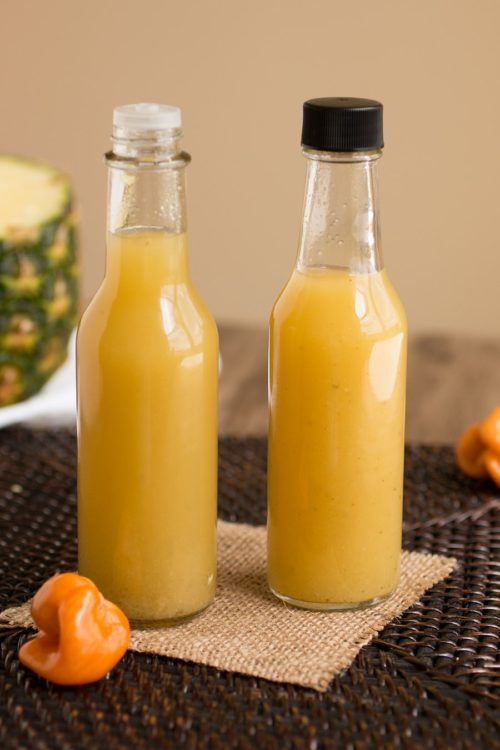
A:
(147, 357)
(337, 381)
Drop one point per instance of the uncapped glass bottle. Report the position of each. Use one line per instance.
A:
(147, 357)
(337, 380)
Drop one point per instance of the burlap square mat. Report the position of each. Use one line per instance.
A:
(248, 630)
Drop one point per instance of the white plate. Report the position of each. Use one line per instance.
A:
(54, 405)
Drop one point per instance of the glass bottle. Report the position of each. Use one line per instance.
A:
(337, 380)
(147, 365)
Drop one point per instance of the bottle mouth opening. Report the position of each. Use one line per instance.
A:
(146, 149)
(161, 135)
(341, 157)
(147, 116)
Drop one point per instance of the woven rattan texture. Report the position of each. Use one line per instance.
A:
(431, 680)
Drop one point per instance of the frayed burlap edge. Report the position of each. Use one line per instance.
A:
(247, 630)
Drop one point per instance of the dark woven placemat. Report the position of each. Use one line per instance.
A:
(431, 680)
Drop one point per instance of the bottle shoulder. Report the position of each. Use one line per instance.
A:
(331, 300)
(174, 312)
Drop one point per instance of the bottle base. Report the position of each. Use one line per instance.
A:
(166, 622)
(330, 606)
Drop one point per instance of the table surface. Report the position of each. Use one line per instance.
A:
(452, 382)
(429, 681)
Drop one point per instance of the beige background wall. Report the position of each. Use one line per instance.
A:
(240, 71)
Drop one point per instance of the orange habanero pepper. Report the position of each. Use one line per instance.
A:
(489, 431)
(478, 449)
(82, 635)
(492, 463)
(470, 453)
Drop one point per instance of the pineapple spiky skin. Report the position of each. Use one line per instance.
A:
(38, 275)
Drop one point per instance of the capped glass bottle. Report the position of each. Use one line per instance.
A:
(337, 380)
(147, 361)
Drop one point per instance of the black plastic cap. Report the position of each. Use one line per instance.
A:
(343, 123)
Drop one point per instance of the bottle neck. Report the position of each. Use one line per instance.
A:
(146, 221)
(146, 182)
(341, 225)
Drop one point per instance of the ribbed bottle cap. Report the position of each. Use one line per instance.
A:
(342, 124)
(146, 116)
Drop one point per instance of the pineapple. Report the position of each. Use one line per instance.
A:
(38, 275)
